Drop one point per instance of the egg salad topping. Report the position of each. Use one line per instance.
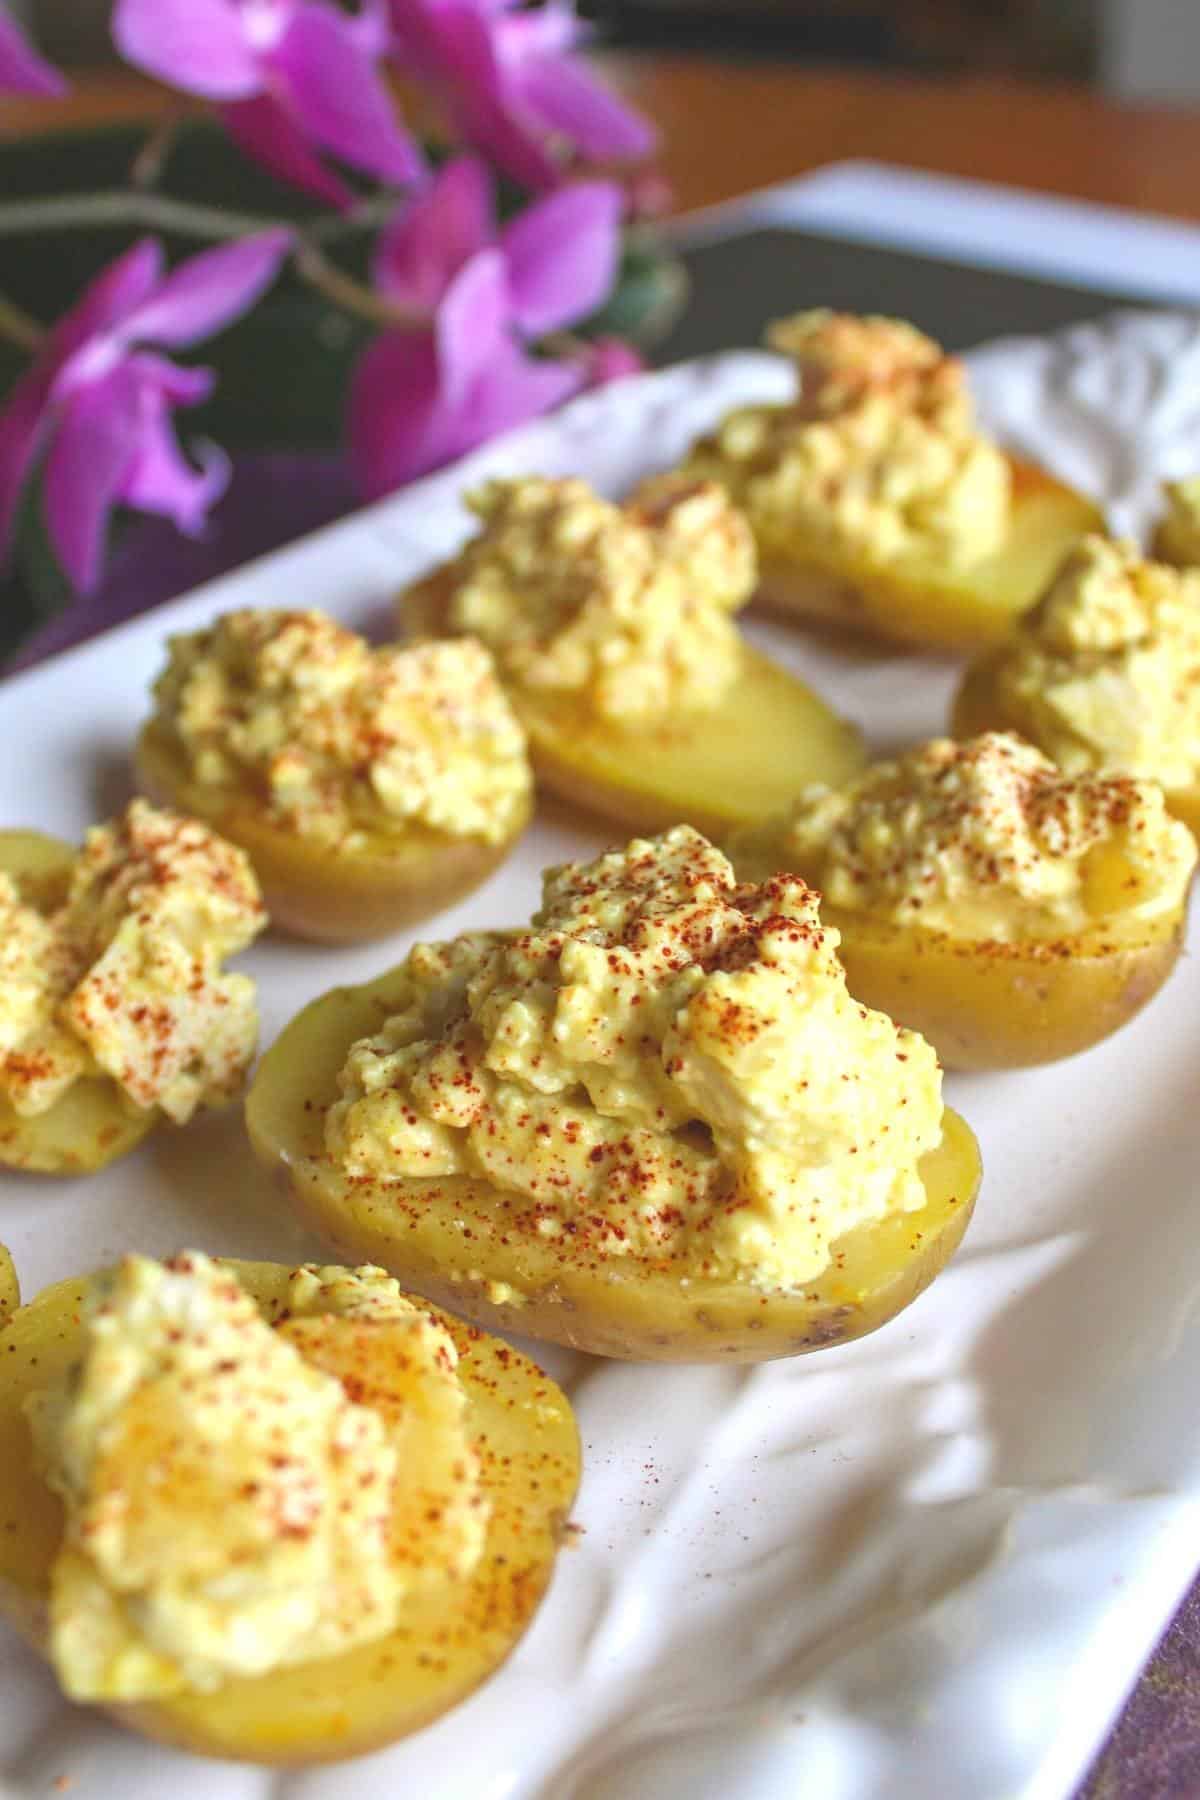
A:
(335, 738)
(240, 1496)
(1178, 539)
(124, 978)
(623, 609)
(1104, 673)
(985, 840)
(877, 459)
(664, 1066)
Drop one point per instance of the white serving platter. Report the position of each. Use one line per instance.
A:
(929, 1563)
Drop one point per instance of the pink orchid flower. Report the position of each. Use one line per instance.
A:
(423, 396)
(512, 85)
(22, 70)
(96, 402)
(287, 75)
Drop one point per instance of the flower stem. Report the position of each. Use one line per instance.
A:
(151, 159)
(153, 212)
(316, 269)
(18, 327)
(139, 207)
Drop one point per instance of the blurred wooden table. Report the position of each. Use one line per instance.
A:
(728, 127)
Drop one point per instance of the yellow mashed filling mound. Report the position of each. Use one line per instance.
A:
(240, 1497)
(336, 738)
(124, 979)
(665, 1065)
(1104, 673)
(877, 459)
(988, 840)
(624, 609)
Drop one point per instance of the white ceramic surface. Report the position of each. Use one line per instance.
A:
(929, 1563)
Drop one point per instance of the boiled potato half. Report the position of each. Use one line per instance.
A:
(978, 707)
(466, 1245)
(1001, 1005)
(454, 1635)
(320, 890)
(93, 1123)
(931, 605)
(733, 764)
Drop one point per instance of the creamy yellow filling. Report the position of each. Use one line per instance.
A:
(985, 839)
(125, 978)
(1104, 673)
(878, 458)
(338, 739)
(622, 609)
(240, 1498)
(664, 1065)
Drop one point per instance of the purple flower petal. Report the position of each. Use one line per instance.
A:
(263, 130)
(107, 301)
(412, 390)
(369, 29)
(271, 500)
(394, 421)
(510, 389)
(335, 95)
(201, 46)
(562, 255)
(161, 480)
(563, 95)
(117, 291)
(472, 322)
(182, 386)
(207, 291)
(460, 49)
(422, 249)
(610, 359)
(89, 458)
(22, 70)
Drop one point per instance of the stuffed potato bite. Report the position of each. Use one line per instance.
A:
(1103, 674)
(1010, 914)
(923, 602)
(627, 1239)
(876, 504)
(609, 625)
(115, 1012)
(368, 787)
(452, 1633)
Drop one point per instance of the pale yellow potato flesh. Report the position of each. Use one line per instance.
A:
(93, 1123)
(977, 708)
(454, 1635)
(320, 890)
(733, 764)
(476, 1249)
(926, 604)
(10, 1293)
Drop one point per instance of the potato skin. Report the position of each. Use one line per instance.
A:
(1007, 1005)
(319, 891)
(92, 1124)
(732, 765)
(977, 708)
(926, 605)
(453, 1637)
(468, 1246)
(10, 1293)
